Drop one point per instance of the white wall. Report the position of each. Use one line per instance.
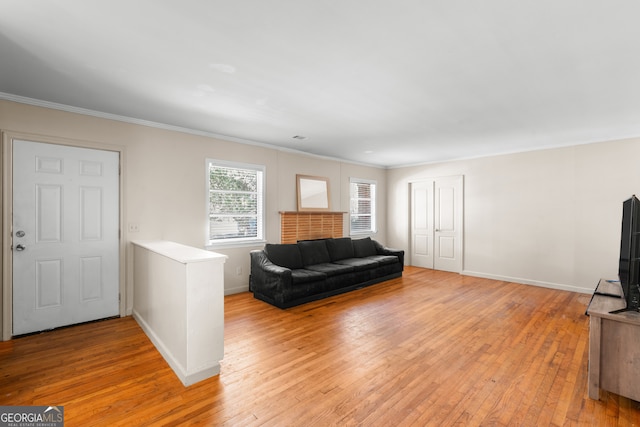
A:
(549, 217)
(164, 173)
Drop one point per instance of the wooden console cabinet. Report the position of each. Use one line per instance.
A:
(614, 344)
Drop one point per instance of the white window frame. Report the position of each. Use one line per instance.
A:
(261, 218)
(374, 184)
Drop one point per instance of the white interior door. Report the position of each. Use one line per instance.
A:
(65, 235)
(436, 223)
(422, 224)
(448, 224)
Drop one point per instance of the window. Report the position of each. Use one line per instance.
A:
(236, 202)
(363, 206)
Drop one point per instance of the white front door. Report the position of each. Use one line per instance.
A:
(436, 223)
(65, 235)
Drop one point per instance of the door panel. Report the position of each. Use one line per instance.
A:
(65, 235)
(91, 275)
(48, 283)
(49, 225)
(90, 213)
(446, 207)
(446, 247)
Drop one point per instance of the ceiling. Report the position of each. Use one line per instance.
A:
(378, 82)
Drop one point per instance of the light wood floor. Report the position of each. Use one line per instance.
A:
(431, 348)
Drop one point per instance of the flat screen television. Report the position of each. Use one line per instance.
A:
(629, 267)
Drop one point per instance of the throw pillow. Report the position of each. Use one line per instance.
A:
(340, 248)
(364, 247)
(314, 252)
(284, 255)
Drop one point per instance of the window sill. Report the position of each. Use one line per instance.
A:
(363, 233)
(235, 244)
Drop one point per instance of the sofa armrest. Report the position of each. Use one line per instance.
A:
(383, 250)
(266, 277)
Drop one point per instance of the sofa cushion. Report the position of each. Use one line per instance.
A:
(301, 275)
(340, 248)
(284, 255)
(360, 264)
(384, 259)
(331, 269)
(364, 247)
(314, 252)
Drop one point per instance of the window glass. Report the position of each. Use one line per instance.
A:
(235, 200)
(363, 205)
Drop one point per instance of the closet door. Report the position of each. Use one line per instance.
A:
(422, 231)
(436, 223)
(448, 224)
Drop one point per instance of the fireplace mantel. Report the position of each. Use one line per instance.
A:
(306, 225)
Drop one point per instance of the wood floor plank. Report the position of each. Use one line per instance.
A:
(430, 348)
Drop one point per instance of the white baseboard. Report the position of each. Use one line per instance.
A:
(558, 286)
(187, 378)
(236, 290)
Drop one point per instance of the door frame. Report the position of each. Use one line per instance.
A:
(6, 187)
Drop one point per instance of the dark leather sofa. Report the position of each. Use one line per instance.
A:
(286, 275)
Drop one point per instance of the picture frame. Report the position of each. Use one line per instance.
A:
(313, 193)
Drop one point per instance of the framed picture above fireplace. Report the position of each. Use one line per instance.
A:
(313, 193)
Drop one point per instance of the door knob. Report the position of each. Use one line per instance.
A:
(20, 248)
